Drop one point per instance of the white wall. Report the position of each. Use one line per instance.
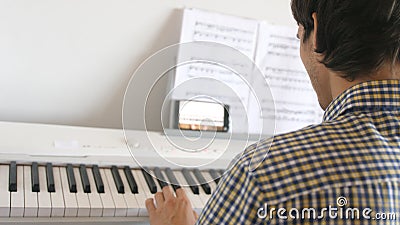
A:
(69, 61)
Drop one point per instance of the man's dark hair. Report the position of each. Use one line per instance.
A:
(355, 37)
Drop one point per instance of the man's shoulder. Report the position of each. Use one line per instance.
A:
(352, 133)
(318, 157)
(271, 153)
(298, 140)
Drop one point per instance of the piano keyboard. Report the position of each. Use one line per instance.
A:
(87, 181)
(72, 191)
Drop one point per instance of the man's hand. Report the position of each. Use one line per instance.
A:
(171, 210)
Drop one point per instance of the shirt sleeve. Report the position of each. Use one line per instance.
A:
(236, 199)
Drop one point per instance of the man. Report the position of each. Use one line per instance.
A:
(345, 170)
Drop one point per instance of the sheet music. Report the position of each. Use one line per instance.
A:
(275, 49)
(278, 56)
(239, 33)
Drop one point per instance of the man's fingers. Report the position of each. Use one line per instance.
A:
(168, 192)
(150, 205)
(159, 196)
(180, 193)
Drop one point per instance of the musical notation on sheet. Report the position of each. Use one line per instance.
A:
(238, 33)
(274, 49)
(278, 56)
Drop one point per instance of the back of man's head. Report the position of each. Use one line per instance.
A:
(355, 37)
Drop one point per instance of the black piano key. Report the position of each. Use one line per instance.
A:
(97, 179)
(84, 179)
(202, 181)
(117, 180)
(172, 179)
(12, 181)
(160, 177)
(50, 178)
(35, 177)
(189, 179)
(149, 180)
(131, 180)
(215, 175)
(71, 178)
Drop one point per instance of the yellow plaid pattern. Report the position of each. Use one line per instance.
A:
(349, 162)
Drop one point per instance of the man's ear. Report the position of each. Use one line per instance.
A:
(314, 34)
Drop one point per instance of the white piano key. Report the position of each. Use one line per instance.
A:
(96, 206)
(4, 193)
(106, 197)
(155, 180)
(119, 201)
(144, 192)
(196, 201)
(210, 181)
(212, 184)
(167, 180)
(44, 201)
(81, 197)
(130, 199)
(202, 195)
(142, 185)
(71, 205)
(30, 201)
(17, 198)
(140, 197)
(57, 198)
(159, 189)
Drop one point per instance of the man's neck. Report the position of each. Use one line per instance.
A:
(339, 85)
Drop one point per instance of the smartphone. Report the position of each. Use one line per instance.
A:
(202, 115)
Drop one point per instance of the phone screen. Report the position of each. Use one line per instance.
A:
(197, 115)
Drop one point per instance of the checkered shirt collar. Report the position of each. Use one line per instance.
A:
(378, 95)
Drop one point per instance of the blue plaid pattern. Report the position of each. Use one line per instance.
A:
(353, 155)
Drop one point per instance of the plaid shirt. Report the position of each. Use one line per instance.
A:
(347, 164)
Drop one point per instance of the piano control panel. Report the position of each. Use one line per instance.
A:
(59, 144)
